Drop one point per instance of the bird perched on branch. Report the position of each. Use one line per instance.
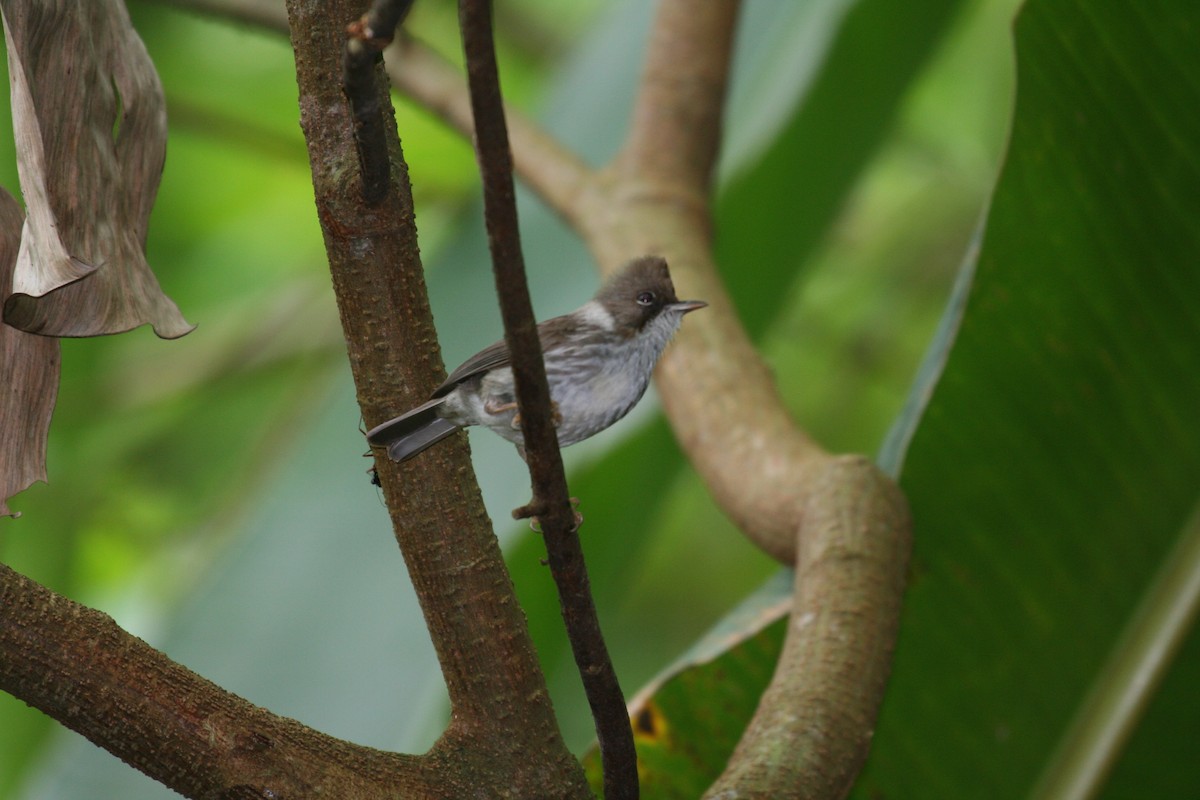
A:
(598, 362)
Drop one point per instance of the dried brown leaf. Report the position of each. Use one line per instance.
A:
(89, 121)
(28, 379)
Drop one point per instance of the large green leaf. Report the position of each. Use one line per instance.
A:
(873, 55)
(1057, 462)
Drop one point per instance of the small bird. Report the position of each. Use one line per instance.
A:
(598, 363)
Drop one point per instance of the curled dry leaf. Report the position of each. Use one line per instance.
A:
(89, 122)
(29, 365)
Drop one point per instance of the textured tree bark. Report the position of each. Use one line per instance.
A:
(76, 665)
(812, 731)
(502, 721)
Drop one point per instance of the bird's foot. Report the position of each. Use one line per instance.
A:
(535, 524)
(494, 408)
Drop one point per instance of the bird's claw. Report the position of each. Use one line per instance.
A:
(556, 416)
(536, 526)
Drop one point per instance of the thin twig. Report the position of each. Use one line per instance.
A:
(550, 500)
(367, 36)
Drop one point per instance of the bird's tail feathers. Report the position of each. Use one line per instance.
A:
(412, 432)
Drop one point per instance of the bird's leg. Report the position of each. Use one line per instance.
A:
(494, 407)
(556, 416)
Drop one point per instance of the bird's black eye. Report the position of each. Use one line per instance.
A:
(645, 298)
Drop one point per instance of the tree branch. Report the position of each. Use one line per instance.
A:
(757, 465)
(550, 501)
(843, 523)
(76, 665)
(811, 733)
(367, 36)
(501, 715)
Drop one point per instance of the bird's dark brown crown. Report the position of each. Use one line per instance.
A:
(638, 293)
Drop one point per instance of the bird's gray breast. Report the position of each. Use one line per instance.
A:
(598, 383)
(593, 390)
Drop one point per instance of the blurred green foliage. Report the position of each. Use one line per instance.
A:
(209, 494)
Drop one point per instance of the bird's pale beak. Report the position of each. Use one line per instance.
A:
(684, 306)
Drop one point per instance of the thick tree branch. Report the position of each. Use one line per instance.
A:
(675, 143)
(843, 523)
(501, 715)
(755, 464)
(813, 728)
(550, 503)
(76, 665)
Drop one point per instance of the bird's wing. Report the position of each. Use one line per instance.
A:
(497, 355)
(490, 357)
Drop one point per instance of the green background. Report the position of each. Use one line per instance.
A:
(210, 493)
